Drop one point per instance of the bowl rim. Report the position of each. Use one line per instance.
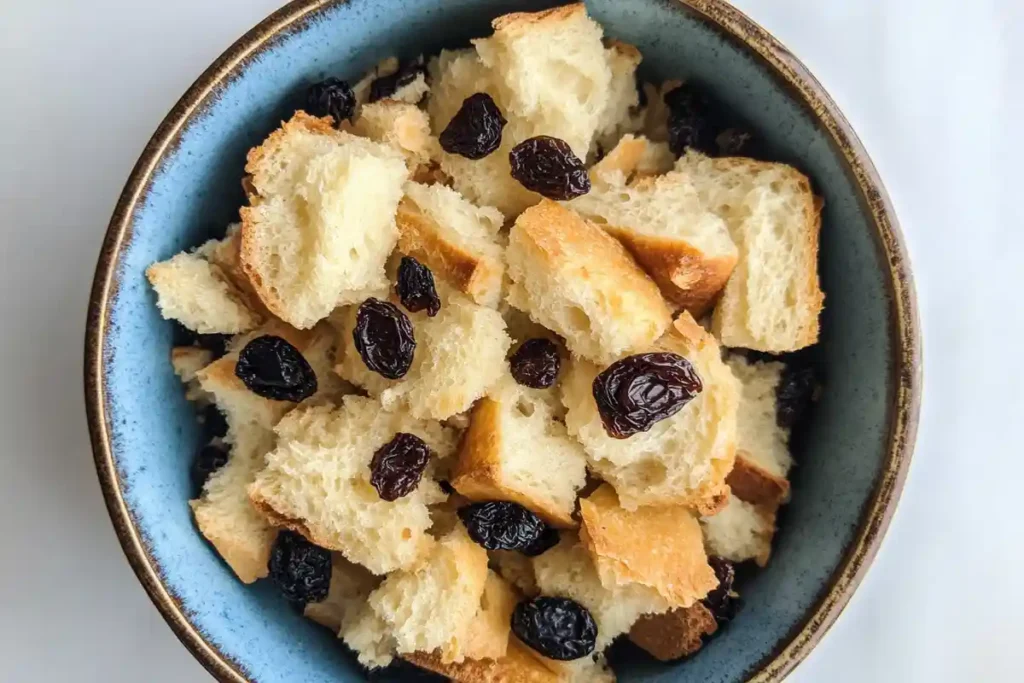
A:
(791, 73)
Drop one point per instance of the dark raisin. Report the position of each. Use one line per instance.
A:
(214, 423)
(502, 525)
(416, 288)
(794, 394)
(331, 97)
(634, 393)
(718, 599)
(301, 570)
(733, 142)
(383, 336)
(216, 344)
(475, 130)
(208, 460)
(536, 363)
(641, 94)
(273, 368)
(558, 628)
(386, 86)
(398, 465)
(446, 487)
(692, 120)
(547, 540)
(401, 671)
(548, 166)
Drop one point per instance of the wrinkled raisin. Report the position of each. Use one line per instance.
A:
(502, 525)
(794, 395)
(416, 288)
(547, 540)
(692, 120)
(634, 393)
(273, 368)
(208, 460)
(548, 166)
(398, 465)
(384, 339)
(733, 142)
(721, 600)
(558, 628)
(331, 97)
(301, 570)
(214, 423)
(475, 130)
(536, 363)
(386, 86)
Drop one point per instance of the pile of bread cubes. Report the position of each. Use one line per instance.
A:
(696, 257)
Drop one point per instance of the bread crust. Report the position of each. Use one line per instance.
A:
(522, 22)
(754, 484)
(517, 666)
(249, 562)
(675, 634)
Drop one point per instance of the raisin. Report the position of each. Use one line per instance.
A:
(547, 166)
(733, 142)
(502, 525)
(692, 120)
(416, 287)
(398, 465)
(273, 368)
(475, 130)
(331, 97)
(301, 570)
(794, 394)
(401, 671)
(208, 460)
(558, 628)
(446, 487)
(217, 344)
(214, 423)
(718, 599)
(383, 336)
(536, 363)
(547, 540)
(634, 393)
(386, 86)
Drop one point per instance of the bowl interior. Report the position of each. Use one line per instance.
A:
(195, 193)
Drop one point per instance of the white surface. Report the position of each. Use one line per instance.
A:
(934, 90)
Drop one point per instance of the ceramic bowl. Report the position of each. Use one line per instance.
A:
(185, 188)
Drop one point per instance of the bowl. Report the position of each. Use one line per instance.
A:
(185, 188)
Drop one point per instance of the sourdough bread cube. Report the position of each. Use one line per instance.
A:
(401, 125)
(321, 224)
(224, 515)
(488, 634)
(773, 298)
(670, 558)
(573, 278)
(226, 254)
(760, 438)
(568, 571)
(681, 460)
(675, 634)
(684, 246)
(317, 482)
(634, 157)
(620, 112)
(519, 665)
(351, 585)
(369, 636)
(456, 239)
(514, 450)
(460, 354)
(199, 295)
(432, 605)
(741, 531)
(516, 569)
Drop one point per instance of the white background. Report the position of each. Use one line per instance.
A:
(933, 87)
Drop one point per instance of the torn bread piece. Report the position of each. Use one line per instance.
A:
(519, 665)
(620, 112)
(351, 585)
(401, 125)
(670, 558)
(675, 634)
(764, 442)
(514, 450)
(573, 278)
(488, 634)
(187, 361)
(740, 531)
(200, 296)
(460, 354)
(681, 460)
(634, 157)
(320, 225)
(456, 239)
(661, 220)
(516, 569)
(317, 482)
(773, 298)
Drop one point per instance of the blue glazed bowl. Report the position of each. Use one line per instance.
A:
(185, 189)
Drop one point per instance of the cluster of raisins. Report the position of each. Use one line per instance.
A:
(548, 166)
(558, 628)
(272, 368)
(301, 570)
(384, 338)
(536, 363)
(331, 97)
(398, 465)
(386, 86)
(638, 391)
(475, 130)
(416, 289)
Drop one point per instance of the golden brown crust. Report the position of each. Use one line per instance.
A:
(623, 158)
(421, 237)
(521, 22)
(517, 666)
(675, 634)
(668, 557)
(752, 483)
(625, 49)
(477, 474)
(488, 633)
(248, 561)
(227, 256)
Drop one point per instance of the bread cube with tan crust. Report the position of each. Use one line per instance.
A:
(401, 125)
(620, 113)
(634, 157)
(187, 361)
(764, 442)
(662, 222)
(740, 531)
(675, 634)
(519, 665)
(320, 224)
(456, 239)
(773, 298)
(669, 557)
(316, 481)
(514, 450)
(200, 296)
(351, 585)
(573, 278)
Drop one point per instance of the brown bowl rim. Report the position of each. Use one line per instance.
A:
(795, 76)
